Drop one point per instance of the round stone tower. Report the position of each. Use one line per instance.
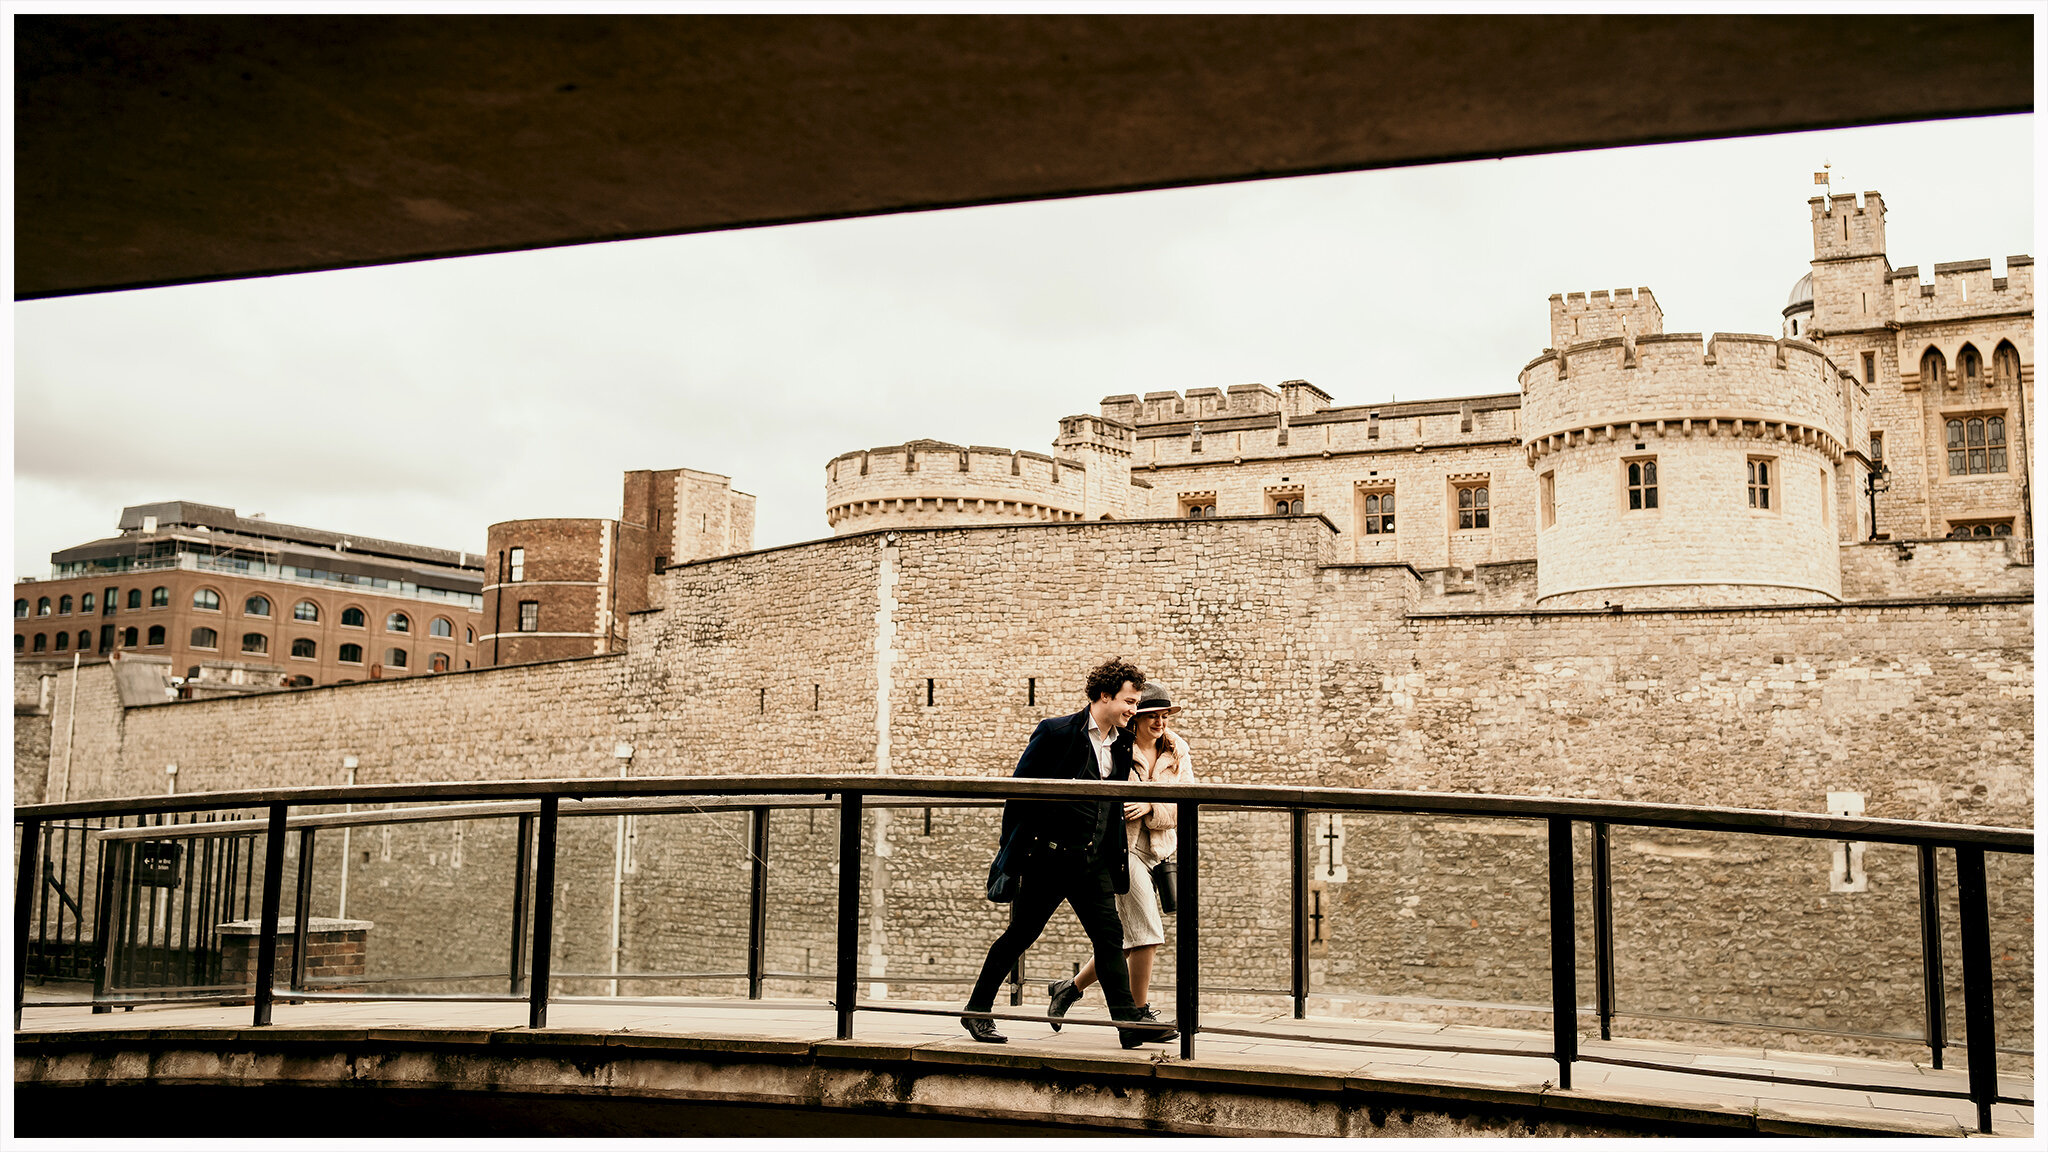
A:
(929, 483)
(1669, 476)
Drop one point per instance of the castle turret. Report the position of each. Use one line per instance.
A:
(1103, 447)
(930, 483)
(1671, 475)
(1850, 287)
(1583, 316)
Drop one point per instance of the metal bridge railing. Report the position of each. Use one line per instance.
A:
(539, 806)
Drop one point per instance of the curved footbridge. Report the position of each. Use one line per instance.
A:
(709, 1067)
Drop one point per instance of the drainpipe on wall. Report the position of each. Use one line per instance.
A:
(70, 731)
(171, 780)
(624, 753)
(348, 763)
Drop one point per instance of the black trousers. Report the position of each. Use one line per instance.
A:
(1092, 892)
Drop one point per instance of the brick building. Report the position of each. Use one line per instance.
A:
(243, 603)
(561, 588)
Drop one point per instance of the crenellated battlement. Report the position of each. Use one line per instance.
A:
(1579, 317)
(1211, 403)
(1844, 229)
(1962, 289)
(1673, 376)
(925, 482)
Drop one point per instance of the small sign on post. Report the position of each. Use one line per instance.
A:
(156, 863)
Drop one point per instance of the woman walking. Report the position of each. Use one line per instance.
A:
(1160, 756)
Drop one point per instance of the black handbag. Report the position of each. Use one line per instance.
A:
(1165, 885)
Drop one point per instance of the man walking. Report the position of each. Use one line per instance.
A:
(1071, 851)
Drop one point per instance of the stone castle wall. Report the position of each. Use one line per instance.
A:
(928, 483)
(1704, 421)
(937, 652)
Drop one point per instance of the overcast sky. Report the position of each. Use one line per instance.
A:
(424, 401)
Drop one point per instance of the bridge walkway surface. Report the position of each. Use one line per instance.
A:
(706, 1066)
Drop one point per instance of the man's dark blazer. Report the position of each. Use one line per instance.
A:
(1060, 750)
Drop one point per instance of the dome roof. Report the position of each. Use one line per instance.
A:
(1802, 292)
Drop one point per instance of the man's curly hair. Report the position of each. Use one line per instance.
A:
(1108, 678)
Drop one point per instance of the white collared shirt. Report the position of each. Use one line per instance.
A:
(1101, 743)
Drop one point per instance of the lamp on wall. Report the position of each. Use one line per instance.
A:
(1878, 479)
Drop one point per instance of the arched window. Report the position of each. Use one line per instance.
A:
(156, 636)
(85, 604)
(1474, 508)
(19, 641)
(1933, 369)
(128, 637)
(439, 663)
(255, 642)
(159, 597)
(20, 609)
(441, 627)
(205, 638)
(42, 642)
(64, 638)
(84, 640)
(63, 605)
(206, 600)
(1969, 365)
(468, 635)
(135, 598)
(2005, 365)
(352, 618)
(1976, 445)
(256, 606)
(394, 657)
(1379, 513)
(306, 610)
(42, 605)
(398, 622)
(303, 649)
(1642, 484)
(350, 654)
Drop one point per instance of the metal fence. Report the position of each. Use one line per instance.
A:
(539, 806)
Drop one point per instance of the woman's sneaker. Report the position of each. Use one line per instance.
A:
(1064, 996)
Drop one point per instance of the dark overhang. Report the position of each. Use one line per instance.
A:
(169, 149)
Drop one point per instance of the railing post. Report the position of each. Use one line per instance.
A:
(1930, 953)
(1187, 928)
(845, 973)
(1603, 930)
(113, 860)
(757, 907)
(27, 879)
(1564, 986)
(1980, 1030)
(273, 893)
(1298, 821)
(543, 913)
(302, 909)
(522, 879)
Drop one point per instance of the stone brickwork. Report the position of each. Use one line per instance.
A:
(335, 950)
(1674, 476)
(937, 651)
(1911, 569)
(929, 482)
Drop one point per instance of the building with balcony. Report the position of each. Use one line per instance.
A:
(235, 602)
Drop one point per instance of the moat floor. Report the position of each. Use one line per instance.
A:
(1862, 1098)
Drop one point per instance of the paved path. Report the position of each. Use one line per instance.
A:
(1855, 1091)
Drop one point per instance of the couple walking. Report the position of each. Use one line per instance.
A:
(1095, 855)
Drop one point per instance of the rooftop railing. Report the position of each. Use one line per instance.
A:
(540, 805)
